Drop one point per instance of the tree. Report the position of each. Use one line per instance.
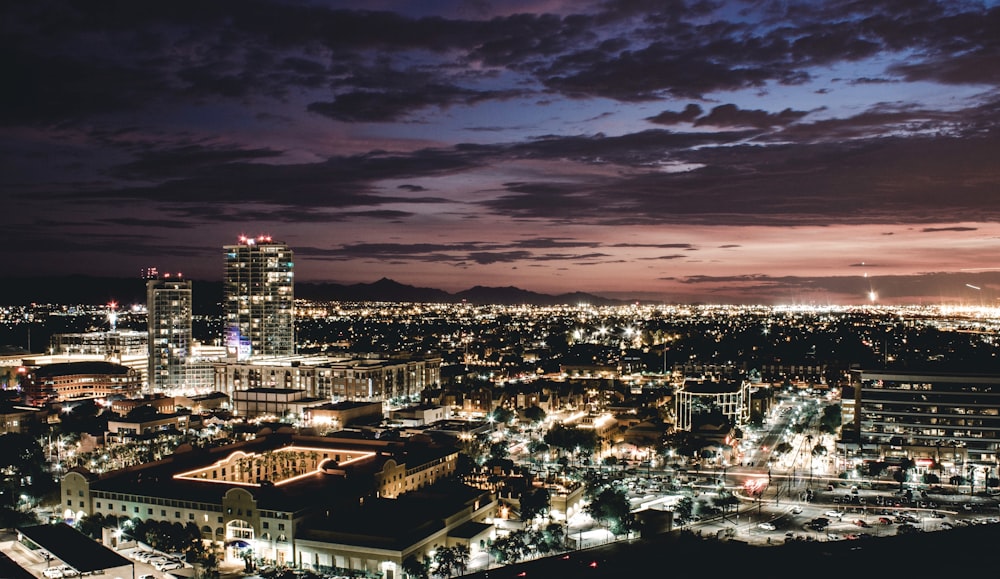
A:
(570, 439)
(554, 535)
(534, 414)
(611, 507)
(534, 502)
(416, 568)
(462, 557)
(445, 558)
(725, 500)
(510, 548)
(684, 508)
(502, 415)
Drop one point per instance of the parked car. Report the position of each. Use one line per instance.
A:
(833, 514)
(53, 573)
(169, 565)
(796, 510)
(767, 526)
(861, 523)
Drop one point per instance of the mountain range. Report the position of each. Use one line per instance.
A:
(79, 289)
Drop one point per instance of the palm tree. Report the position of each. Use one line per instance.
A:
(462, 557)
(416, 568)
(446, 560)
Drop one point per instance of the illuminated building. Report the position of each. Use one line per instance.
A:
(949, 423)
(169, 303)
(259, 298)
(81, 380)
(333, 378)
(730, 397)
(111, 346)
(308, 501)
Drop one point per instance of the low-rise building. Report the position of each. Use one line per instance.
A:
(81, 380)
(260, 493)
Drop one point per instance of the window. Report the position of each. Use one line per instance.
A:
(163, 512)
(135, 510)
(124, 508)
(281, 526)
(111, 507)
(177, 514)
(266, 525)
(220, 519)
(69, 492)
(98, 504)
(190, 516)
(149, 511)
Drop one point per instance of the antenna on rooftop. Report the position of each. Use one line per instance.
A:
(113, 316)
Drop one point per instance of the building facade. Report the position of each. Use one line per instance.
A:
(289, 499)
(731, 398)
(259, 298)
(81, 380)
(334, 379)
(111, 346)
(170, 309)
(948, 423)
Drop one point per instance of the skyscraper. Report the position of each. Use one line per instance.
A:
(259, 298)
(169, 307)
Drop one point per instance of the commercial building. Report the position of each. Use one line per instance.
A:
(112, 346)
(948, 423)
(272, 403)
(294, 499)
(81, 380)
(258, 298)
(731, 398)
(333, 378)
(170, 308)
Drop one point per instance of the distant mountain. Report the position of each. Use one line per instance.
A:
(384, 290)
(208, 294)
(512, 296)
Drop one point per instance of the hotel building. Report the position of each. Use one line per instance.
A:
(169, 306)
(258, 296)
(317, 502)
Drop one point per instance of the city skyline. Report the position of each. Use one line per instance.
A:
(715, 152)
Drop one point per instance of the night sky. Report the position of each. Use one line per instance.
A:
(713, 151)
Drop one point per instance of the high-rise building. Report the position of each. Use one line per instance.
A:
(259, 298)
(169, 306)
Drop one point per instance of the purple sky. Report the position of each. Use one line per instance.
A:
(712, 151)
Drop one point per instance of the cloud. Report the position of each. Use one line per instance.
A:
(689, 114)
(940, 229)
(732, 116)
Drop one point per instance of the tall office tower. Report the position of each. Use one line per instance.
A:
(169, 307)
(259, 298)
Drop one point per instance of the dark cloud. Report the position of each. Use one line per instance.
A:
(186, 161)
(940, 229)
(732, 116)
(656, 245)
(457, 253)
(688, 115)
(381, 106)
(662, 257)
